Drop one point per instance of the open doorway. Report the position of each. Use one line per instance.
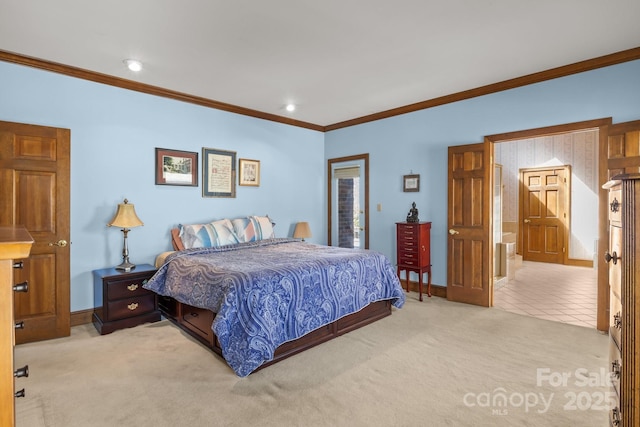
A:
(542, 176)
(348, 201)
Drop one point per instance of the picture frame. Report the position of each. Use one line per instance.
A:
(176, 167)
(411, 183)
(249, 172)
(218, 173)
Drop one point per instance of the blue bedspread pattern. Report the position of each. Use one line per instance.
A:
(268, 292)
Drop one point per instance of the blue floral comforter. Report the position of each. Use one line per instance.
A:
(272, 291)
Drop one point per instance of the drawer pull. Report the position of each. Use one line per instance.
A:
(617, 320)
(21, 372)
(19, 393)
(612, 257)
(19, 325)
(615, 416)
(615, 205)
(21, 287)
(615, 369)
(132, 287)
(18, 264)
(133, 306)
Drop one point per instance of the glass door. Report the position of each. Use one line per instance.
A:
(348, 211)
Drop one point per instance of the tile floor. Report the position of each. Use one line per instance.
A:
(555, 292)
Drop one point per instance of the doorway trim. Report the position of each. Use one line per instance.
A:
(330, 163)
(602, 322)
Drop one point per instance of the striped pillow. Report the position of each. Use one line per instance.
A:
(253, 228)
(214, 234)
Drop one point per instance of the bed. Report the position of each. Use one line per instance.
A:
(255, 299)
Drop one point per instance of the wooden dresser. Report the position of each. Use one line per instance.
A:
(15, 243)
(624, 299)
(414, 251)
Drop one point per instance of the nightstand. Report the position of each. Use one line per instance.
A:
(120, 301)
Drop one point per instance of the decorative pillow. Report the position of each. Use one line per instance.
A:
(217, 233)
(253, 228)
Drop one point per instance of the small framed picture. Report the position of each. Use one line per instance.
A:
(218, 173)
(174, 167)
(411, 183)
(249, 172)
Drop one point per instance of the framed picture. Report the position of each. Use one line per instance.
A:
(249, 172)
(175, 167)
(411, 183)
(218, 173)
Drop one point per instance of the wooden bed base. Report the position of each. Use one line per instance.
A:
(197, 322)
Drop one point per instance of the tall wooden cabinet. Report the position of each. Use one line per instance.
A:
(414, 251)
(624, 298)
(15, 243)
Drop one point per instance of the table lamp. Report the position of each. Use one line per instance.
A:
(125, 218)
(302, 230)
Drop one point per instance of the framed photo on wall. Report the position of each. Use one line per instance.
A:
(249, 172)
(218, 173)
(174, 167)
(411, 183)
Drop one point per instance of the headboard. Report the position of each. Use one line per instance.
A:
(176, 242)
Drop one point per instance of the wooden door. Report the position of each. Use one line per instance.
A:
(544, 219)
(34, 193)
(621, 151)
(468, 260)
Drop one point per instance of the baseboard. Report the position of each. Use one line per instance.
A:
(436, 290)
(580, 262)
(81, 317)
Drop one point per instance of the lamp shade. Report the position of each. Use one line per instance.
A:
(125, 216)
(302, 231)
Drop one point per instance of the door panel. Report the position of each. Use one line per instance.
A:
(468, 263)
(34, 192)
(544, 207)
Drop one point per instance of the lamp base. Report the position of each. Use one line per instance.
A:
(126, 266)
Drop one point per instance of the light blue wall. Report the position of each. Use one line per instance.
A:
(114, 133)
(417, 142)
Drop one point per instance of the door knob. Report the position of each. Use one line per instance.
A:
(527, 221)
(62, 243)
(612, 257)
(453, 232)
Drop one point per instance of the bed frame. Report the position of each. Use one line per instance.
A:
(197, 321)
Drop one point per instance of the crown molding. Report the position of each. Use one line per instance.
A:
(566, 70)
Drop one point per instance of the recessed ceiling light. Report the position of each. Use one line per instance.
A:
(133, 65)
(290, 108)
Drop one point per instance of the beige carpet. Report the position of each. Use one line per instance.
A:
(434, 363)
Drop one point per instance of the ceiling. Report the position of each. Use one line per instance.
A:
(337, 60)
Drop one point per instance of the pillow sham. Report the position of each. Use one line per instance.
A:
(214, 234)
(253, 228)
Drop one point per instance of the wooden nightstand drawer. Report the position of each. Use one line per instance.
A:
(126, 288)
(131, 307)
